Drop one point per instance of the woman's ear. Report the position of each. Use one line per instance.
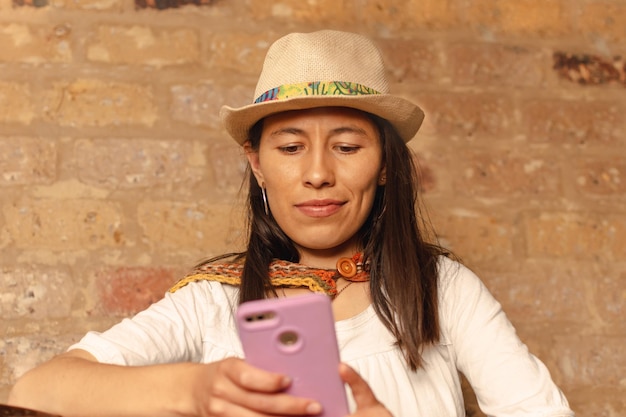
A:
(253, 160)
(382, 176)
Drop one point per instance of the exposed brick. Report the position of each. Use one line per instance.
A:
(63, 224)
(24, 353)
(239, 51)
(533, 17)
(610, 299)
(567, 122)
(601, 177)
(586, 365)
(467, 116)
(391, 15)
(541, 291)
(27, 161)
(29, 3)
(199, 104)
(492, 173)
(168, 4)
(184, 226)
(603, 19)
(434, 172)
(300, 11)
(605, 403)
(4, 388)
(142, 45)
(576, 235)
(120, 164)
(35, 44)
(586, 69)
(426, 176)
(437, 14)
(5, 238)
(35, 292)
(589, 361)
(228, 166)
(384, 14)
(124, 291)
(92, 102)
(111, 5)
(412, 60)
(68, 189)
(15, 103)
(489, 64)
(474, 236)
(505, 174)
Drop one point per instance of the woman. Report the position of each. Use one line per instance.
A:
(331, 179)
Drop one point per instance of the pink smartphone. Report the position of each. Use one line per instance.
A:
(295, 336)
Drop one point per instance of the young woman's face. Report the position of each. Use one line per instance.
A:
(320, 168)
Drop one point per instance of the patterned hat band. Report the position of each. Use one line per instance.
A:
(315, 88)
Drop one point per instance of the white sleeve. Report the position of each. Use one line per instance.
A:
(170, 330)
(507, 379)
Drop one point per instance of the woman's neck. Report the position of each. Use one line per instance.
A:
(325, 258)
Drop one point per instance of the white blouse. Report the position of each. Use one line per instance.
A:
(196, 323)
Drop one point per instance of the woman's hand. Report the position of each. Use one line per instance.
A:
(232, 387)
(366, 403)
(74, 384)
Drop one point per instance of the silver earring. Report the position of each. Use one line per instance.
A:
(265, 205)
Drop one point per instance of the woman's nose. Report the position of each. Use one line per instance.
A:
(319, 171)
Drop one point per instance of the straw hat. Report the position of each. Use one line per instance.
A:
(320, 69)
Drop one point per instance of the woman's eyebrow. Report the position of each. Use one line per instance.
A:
(286, 131)
(333, 132)
(349, 129)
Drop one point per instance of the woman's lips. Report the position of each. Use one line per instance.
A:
(320, 208)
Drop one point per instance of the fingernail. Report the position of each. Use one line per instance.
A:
(314, 408)
(285, 382)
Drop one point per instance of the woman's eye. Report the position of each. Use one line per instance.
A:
(290, 148)
(347, 148)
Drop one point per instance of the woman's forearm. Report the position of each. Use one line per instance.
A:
(74, 384)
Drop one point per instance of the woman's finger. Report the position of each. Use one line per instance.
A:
(361, 391)
(261, 404)
(236, 385)
(252, 378)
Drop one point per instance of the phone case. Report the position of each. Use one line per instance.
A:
(296, 336)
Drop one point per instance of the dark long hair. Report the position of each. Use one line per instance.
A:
(403, 263)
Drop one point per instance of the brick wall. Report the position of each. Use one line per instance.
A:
(115, 175)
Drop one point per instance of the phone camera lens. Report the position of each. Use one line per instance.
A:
(288, 338)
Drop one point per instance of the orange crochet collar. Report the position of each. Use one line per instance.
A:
(285, 274)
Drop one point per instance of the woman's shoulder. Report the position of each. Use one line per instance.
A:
(224, 269)
(213, 285)
(454, 275)
(450, 267)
